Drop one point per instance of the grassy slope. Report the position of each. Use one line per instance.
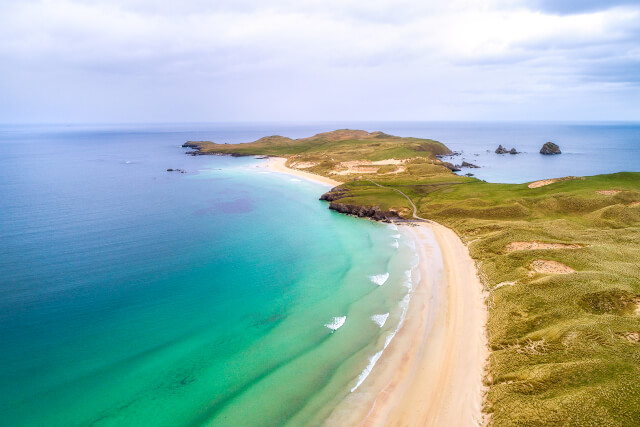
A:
(560, 347)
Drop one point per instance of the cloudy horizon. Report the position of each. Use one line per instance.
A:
(285, 60)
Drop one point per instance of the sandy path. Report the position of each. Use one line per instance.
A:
(276, 164)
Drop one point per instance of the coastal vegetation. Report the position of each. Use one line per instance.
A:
(558, 260)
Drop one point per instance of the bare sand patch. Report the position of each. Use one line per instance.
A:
(303, 165)
(608, 192)
(501, 284)
(388, 162)
(543, 182)
(549, 266)
(533, 246)
(367, 166)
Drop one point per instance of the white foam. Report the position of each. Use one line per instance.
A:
(380, 319)
(336, 323)
(396, 236)
(407, 281)
(393, 226)
(365, 373)
(404, 305)
(295, 180)
(395, 244)
(379, 279)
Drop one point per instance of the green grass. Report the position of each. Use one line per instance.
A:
(560, 347)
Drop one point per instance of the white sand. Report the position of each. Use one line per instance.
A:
(276, 164)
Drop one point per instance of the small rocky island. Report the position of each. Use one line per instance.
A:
(502, 150)
(550, 148)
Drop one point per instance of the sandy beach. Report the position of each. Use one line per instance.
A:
(431, 373)
(277, 164)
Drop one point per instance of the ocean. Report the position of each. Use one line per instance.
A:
(227, 295)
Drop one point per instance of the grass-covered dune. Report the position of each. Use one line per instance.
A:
(560, 264)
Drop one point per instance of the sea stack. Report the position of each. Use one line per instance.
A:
(550, 148)
(502, 150)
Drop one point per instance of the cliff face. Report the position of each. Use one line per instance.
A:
(373, 212)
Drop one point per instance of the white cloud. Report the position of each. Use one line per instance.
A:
(418, 53)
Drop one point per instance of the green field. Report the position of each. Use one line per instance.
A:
(565, 348)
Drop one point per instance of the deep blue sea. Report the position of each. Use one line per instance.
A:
(130, 295)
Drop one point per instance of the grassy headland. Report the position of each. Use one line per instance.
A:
(560, 264)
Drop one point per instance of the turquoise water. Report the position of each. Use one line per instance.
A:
(134, 296)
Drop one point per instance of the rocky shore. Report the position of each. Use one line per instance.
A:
(373, 212)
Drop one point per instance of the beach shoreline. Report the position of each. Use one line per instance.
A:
(277, 164)
(431, 374)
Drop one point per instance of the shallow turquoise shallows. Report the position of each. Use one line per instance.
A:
(135, 296)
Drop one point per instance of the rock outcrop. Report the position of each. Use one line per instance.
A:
(550, 148)
(373, 212)
(469, 165)
(453, 168)
(502, 150)
(335, 193)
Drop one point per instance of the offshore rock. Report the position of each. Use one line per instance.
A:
(501, 150)
(469, 165)
(550, 148)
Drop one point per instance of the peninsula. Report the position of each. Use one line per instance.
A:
(558, 264)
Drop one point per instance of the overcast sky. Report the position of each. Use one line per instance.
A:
(297, 60)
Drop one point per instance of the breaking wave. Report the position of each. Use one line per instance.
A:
(380, 319)
(336, 323)
(379, 279)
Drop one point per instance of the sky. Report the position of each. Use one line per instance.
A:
(116, 61)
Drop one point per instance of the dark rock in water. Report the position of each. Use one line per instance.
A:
(469, 165)
(550, 148)
(190, 144)
(451, 167)
(176, 170)
(468, 174)
(502, 150)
